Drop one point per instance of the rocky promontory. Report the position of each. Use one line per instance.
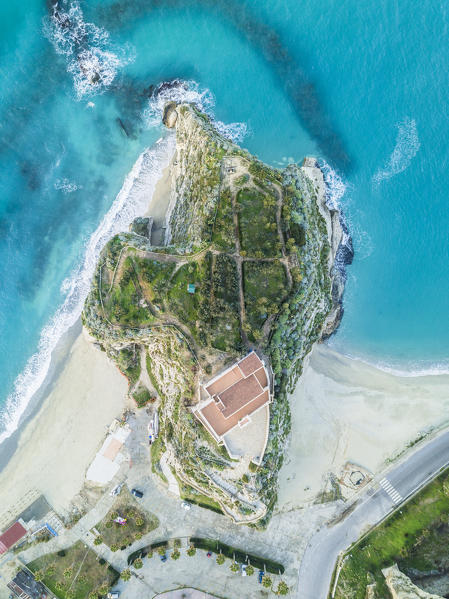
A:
(252, 261)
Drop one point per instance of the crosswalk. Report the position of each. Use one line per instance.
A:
(390, 490)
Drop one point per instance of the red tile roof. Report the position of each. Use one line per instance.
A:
(11, 536)
(214, 419)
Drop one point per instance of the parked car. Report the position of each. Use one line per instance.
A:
(163, 558)
(209, 554)
(116, 490)
(243, 570)
(186, 505)
(114, 595)
(261, 575)
(137, 493)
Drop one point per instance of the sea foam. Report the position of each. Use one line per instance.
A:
(190, 92)
(92, 59)
(406, 148)
(131, 201)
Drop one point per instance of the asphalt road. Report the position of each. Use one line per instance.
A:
(405, 478)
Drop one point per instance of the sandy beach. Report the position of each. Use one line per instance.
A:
(60, 441)
(346, 410)
(57, 444)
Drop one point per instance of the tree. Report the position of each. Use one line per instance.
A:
(191, 551)
(220, 559)
(139, 521)
(114, 547)
(138, 536)
(161, 550)
(175, 554)
(126, 574)
(282, 588)
(98, 541)
(103, 589)
(39, 575)
(138, 563)
(249, 570)
(267, 582)
(234, 567)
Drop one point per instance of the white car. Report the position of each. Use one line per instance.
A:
(186, 505)
(244, 570)
(116, 490)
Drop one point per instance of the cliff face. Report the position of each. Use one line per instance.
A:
(401, 587)
(262, 250)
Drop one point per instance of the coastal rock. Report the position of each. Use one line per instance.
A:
(170, 115)
(142, 226)
(401, 587)
(258, 249)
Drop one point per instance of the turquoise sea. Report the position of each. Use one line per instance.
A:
(361, 85)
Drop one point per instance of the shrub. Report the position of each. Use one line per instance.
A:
(175, 554)
(220, 559)
(68, 573)
(103, 590)
(245, 478)
(139, 521)
(93, 595)
(249, 570)
(138, 563)
(39, 575)
(161, 550)
(282, 588)
(98, 541)
(234, 567)
(177, 543)
(267, 582)
(138, 536)
(109, 524)
(191, 551)
(150, 554)
(113, 515)
(114, 547)
(126, 574)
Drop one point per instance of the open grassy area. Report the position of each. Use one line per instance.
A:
(257, 223)
(224, 305)
(75, 573)
(265, 288)
(124, 305)
(224, 230)
(416, 538)
(187, 305)
(138, 522)
(191, 495)
(154, 277)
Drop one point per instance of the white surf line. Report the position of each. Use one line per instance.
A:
(390, 490)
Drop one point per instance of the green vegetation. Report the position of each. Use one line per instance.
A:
(257, 223)
(416, 536)
(123, 306)
(191, 495)
(142, 397)
(138, 522)
(223, 235)
(265, 288)
(153, 276)
(196, 304)
(74, 572)
(128, 361)
(237, 555)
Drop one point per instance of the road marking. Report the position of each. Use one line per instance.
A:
(390, 490)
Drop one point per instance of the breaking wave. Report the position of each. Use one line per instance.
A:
(130, 202)
(66, 186)
(92, 59)
(190, 92)
(406, 148)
